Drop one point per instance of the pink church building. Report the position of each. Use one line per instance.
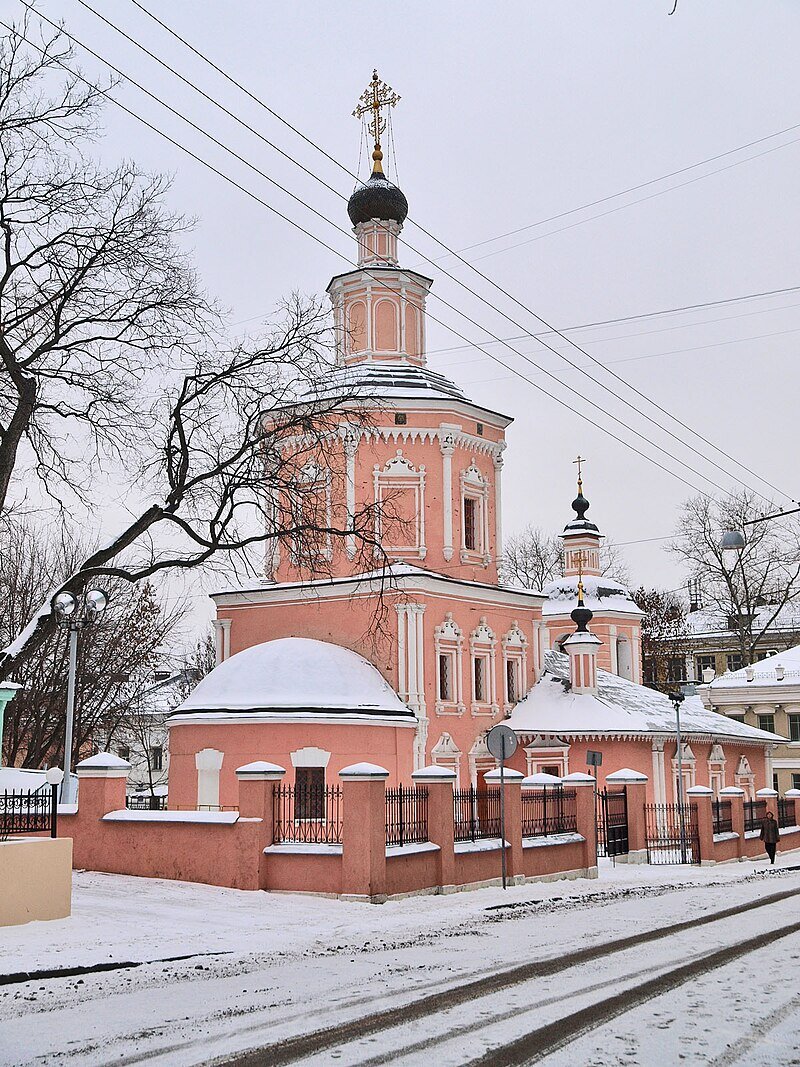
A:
(305, 681)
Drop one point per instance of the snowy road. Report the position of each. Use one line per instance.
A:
(647, 965)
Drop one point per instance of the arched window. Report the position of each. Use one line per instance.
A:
(356, 322)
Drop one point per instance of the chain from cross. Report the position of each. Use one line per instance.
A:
(376, 96)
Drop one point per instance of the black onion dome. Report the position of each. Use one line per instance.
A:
(581, 616)
(377, 198)
(580, 505)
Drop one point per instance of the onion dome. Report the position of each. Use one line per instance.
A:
(580, 505)
(581, 615)
(377, 198)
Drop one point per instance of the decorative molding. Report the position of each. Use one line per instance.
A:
(448, 641)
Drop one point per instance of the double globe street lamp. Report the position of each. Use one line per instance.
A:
(74, 612)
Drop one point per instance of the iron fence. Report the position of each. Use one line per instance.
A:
(23, 812)
(406, 815)
(670, 838)
(723, 818)
(754, 813)
(308, 814)
(145, 802)
(549, 811)
(476, 813)
(786, 812)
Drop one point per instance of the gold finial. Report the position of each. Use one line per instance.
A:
(580, 561)
(376, 96)
(579, 461)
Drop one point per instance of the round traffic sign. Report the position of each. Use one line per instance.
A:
(501, 741)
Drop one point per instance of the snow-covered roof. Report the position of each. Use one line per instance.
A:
(600, 595)
(620, 707)
(764, 672)
(391, 380)
(709, 621)
(298, 674)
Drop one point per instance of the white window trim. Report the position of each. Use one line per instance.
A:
(482, 644)
(475, 487)
(515, 651)
(448, 640)
(400, 473)
(446, 753)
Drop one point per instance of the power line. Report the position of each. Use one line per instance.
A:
(254, 196)
(484, 277)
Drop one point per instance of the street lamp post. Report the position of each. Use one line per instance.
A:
(677, 700)
(74, 613)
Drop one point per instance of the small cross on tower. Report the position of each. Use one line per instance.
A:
(579, 462)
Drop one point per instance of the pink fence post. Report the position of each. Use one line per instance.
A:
(439, 782)
(634, 784)
(102, 782)
(256, 793)
(364, 832)
(515, 868)
(736, 796)
(700, 796)
(584, 786)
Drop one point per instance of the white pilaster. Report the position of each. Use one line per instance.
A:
(350, 444)
(447, 445)
(497, 459)
(402, 674)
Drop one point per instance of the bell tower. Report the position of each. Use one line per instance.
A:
(379, 309)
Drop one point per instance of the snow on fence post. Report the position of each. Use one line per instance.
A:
(364, 832)
(515, 865)
(586, 816)
(256, 793)
(736, 796)
(103, 780)
(439, 781)
(700, 798)
(634, 784)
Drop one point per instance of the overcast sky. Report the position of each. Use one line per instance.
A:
(513, 113)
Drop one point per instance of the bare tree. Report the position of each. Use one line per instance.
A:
(236, 440)
(116, 655)
(93, 288)
(749, 591)
(533, 558)
(664, 634)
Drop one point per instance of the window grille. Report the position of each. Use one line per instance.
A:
(470, 524)
(309, 792)
(445, 676)
(479, 678)
(511, 682)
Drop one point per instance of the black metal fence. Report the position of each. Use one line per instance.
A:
(145, 802)
(754, 813)
(309, 814)
(29, 813)
(786, 812)
(549, 811)
(671, 839)
(406, 815)
(476, 813)
(612, 823)
(723, 818)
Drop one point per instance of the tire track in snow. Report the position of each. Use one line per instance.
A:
(293, 1049)
(550, 1038)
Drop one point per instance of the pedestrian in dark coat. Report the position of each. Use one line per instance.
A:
(770, 835)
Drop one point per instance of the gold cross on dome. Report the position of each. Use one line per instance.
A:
(579, 461)
(377, 96)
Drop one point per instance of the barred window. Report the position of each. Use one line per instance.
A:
(470, 523)
(309, 792)
(445, 676)
(479, 666)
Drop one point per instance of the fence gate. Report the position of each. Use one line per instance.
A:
(612, 823)
(665, 843)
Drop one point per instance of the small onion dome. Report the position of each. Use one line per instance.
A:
(580, 505)
(377, 198)
(581, 615)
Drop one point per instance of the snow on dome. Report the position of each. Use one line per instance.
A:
(601, 594)
(296, 674)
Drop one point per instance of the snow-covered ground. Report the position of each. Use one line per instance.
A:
(263, 968)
